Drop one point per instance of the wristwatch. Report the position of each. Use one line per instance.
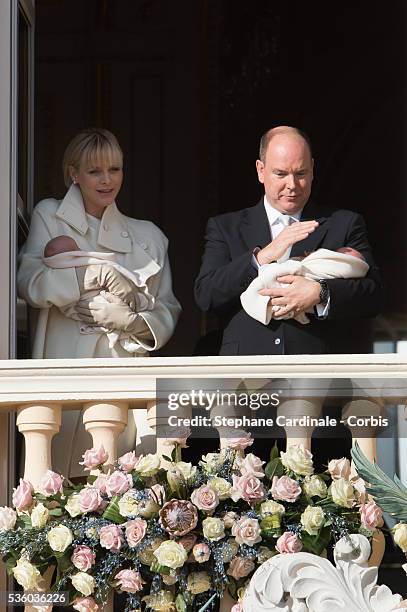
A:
(324, 292)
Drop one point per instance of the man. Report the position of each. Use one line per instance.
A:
(285, 223)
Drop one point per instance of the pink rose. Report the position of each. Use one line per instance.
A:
(360, 489)
(237, 608)
(201, 552)
(248, 488)
(239, 443)
(100, 483)
(129, 581)
(187, 541)
(285, 489)
(94, 457)
(90, 499)
(247, 531)
(252, 466)
(157, 494)
(118, 483)
(288, 543)
(128, 461)
(229, 519)
(178, 436)
(240, 567)
(50, 483)
(111, 537)
(370, 515)
(8, 518)
(22, 496)
(83, 558)
(85, 604)
(135, 531)
(205, 498)
(339, 468)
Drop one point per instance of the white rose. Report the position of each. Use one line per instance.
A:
(128, 506)
(187, 470)
(298, 459)
(171, 554)
(59, 538)
(211, 462)
(198, 582)
(400, 535)
(8, 518)
(312, 519)
(73, 506)
(271, 507)
(148, 465)
(339, 468)
(221, 486)
(163, 601)
(27, 575)
(343, 493)
(39, 516)
(314, 486)
(84, 583)
(213, 529)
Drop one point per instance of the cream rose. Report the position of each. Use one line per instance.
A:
(298, 459)
(8, 518)
(312, 519)
(230, 550)
(400, 535)
(162, 601)
(187, 470)
(211, 462)
(221, 486)
(39, 516)
(148, 465)
(213, 529)
(84, 583)
(171, 554)
(198, 582)
(271, 507)
(27, 575)
(59, 538)
(314, 486)
(73, 506)
(343, 493)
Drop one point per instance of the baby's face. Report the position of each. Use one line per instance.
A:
(350, 251)
(60, 244)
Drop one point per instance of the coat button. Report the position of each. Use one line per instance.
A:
(277, 341)
(125, 234)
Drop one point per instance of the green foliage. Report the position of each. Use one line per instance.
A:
(112, 512)
(274, 468)
(180, 603)
(390, 495)
(316, 544)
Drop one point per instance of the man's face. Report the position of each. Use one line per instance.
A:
(287, 173)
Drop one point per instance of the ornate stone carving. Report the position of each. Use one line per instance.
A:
(303, 582)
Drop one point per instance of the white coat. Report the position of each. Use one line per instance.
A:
(141, 248)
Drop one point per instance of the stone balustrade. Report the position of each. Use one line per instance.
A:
(37, 391)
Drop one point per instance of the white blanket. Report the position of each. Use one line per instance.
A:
(144, 300)
(321, 264)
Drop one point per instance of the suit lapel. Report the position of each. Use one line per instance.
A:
(255, 228)
(311, 212)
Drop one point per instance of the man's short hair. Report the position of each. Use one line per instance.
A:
(268, 135)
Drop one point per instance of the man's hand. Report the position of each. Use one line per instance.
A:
(289, 236)
(299, 295)
(105, 276)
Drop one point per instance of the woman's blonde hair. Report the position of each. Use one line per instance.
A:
(91, 146)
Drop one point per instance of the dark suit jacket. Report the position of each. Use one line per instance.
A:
(227, 270)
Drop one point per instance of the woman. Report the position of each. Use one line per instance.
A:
(93, 173)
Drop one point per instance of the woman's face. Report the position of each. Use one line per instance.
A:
(99, 183)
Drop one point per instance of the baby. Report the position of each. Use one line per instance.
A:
(63, 252)
(346, 262)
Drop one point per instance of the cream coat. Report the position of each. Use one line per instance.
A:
(141, 248)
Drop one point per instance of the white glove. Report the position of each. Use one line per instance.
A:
(105, 276)
(112, 314)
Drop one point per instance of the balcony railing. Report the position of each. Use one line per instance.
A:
(105, 389)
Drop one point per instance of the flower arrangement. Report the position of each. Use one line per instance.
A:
(171, 535)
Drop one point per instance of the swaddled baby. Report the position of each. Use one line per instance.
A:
(63, 252)
(321, 264)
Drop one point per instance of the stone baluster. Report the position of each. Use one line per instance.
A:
(362, 417)
(105, 421)
(226, 432)
(302, 409)
(38, 423)
(157, 419)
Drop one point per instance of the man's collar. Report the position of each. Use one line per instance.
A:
(273, 214)
(113, 232)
